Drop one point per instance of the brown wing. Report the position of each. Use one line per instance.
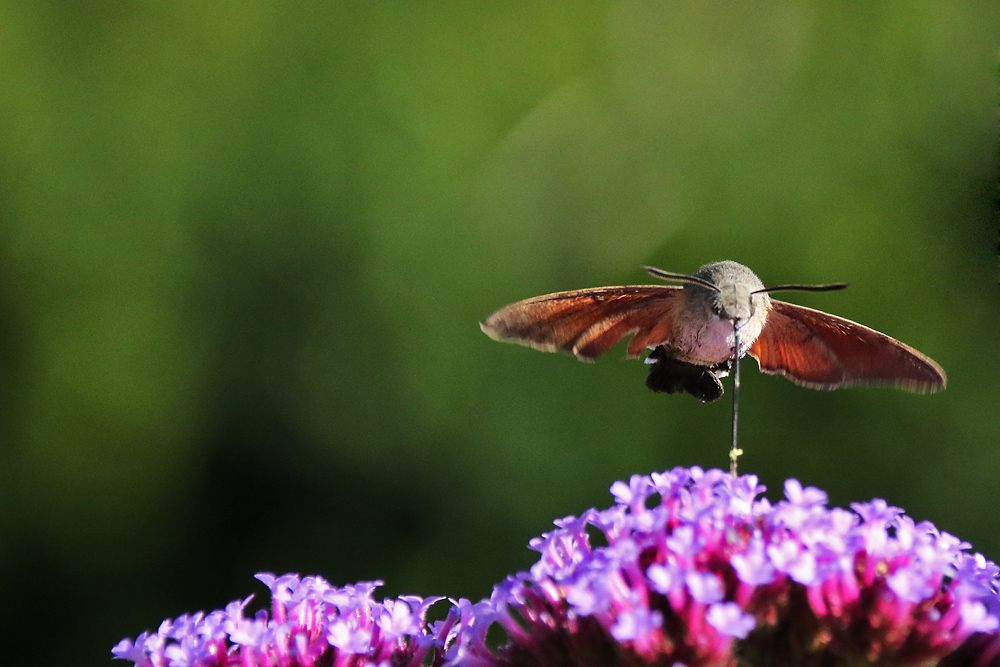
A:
(586, 323)
(823, 351)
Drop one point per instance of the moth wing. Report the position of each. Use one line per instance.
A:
(586, 323)
(823, 351)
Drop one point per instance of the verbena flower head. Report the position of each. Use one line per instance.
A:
(690, 567)
(311, 623)
(696, 570)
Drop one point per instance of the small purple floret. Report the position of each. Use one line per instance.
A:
(729, 619)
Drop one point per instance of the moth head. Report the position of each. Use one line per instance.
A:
(737, 302)
(733, 291)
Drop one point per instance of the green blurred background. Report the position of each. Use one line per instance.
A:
(244, 247)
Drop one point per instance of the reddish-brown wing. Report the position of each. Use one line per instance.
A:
(586, 323)
(823, 351)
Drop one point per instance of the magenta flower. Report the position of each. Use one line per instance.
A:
(311, 623)
(695, 570)
(690, 567)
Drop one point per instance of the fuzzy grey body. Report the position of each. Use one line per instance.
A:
(703, 327)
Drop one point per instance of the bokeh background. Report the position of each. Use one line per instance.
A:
(244, 248)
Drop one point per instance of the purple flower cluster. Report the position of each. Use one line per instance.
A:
(697, 570)
(311, 623)
(690, 567)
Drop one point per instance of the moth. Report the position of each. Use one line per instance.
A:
(697, 332)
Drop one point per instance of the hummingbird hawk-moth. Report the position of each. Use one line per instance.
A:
(698, 331)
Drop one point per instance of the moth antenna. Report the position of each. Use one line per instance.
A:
(679, 277)
(803, 288)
